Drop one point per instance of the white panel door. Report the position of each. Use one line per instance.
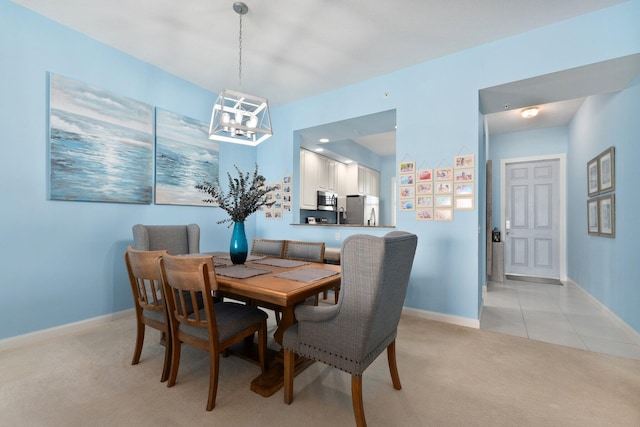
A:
(532, 219)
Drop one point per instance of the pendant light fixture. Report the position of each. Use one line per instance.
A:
(238, 117)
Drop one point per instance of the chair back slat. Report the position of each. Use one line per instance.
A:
(144, 278)
(186, 282)
(304, 251)
(268, 247)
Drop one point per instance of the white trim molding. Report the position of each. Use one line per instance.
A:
(50, 333)
(440, 317)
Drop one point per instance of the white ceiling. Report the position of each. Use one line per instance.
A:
(293, 49)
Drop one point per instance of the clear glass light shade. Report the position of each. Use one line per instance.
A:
(240, 118)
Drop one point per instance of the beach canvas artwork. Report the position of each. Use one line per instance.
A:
(185, 157)
(100, 144)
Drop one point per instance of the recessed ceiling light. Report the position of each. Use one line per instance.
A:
(348, 161)
(323, 140)
(319, 150)
(529, 112)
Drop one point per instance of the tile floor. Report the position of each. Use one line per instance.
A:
(563, 315)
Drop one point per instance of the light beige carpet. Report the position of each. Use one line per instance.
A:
(451, 376)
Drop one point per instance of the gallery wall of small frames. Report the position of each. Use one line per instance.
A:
(434, 193)
(601, 202)
(282, 196)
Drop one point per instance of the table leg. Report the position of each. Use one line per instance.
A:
(272, 380)
(287, 320)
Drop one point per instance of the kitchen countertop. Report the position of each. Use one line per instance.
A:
(346, 225)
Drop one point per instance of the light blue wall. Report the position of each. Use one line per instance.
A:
(66, 257)
(607, 268)
(538, 142)
(437, 116)
(64, 260)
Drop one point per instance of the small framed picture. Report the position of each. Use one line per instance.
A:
(464, 189)
(424, 214)
(592, 217)
(444, 187)
(407, 167)
(407, 192)
(464, 203)
(606, 171)
(592, 177)
(465, 161)
(425, 175)
(407, 205)
(286, 180)
(444, 174)
(443, 214)
(407, 179)
(444, 201)
(463, 175)
(424, 202)
(606, 216)
(424, 188)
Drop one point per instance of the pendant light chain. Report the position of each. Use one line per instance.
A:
(240, 56)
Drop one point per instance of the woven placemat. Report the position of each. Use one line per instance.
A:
(307, 275)
(279, 262)
(240, 271)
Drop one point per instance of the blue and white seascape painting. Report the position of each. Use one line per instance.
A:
(185, 157)
(100, 144)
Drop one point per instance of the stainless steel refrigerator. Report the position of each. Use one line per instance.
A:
(362, 210)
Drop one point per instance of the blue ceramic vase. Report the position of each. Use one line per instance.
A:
(238, 248)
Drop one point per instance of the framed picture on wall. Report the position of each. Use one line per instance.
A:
(424, 188)
(606, 171)
(444, 201)
(592, 177)
(463, 175)
(606, 216)
(407, 167)
(464, 203)
(465, 161)
(425, 174)
(424, 214)
(592, 217)
(443, 214)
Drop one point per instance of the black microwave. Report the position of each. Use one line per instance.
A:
(327, 201)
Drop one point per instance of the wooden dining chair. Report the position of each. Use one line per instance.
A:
(308, 251)
(351, 334)
(216, 326)
(267, 247)
(149, 301)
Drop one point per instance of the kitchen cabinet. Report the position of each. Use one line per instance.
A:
(320, 173)
(362, 180)
(309, 166)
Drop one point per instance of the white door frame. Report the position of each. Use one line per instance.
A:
(562, 184)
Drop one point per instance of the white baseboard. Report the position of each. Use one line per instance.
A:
(440, 317)
(621, 323)
(45, 334)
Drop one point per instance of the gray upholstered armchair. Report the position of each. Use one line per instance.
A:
(351, 334)
(177, 239)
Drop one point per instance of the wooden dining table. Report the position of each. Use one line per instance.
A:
(272, 290)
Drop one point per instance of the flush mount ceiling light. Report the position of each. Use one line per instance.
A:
(529, 112)
(238, 117)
